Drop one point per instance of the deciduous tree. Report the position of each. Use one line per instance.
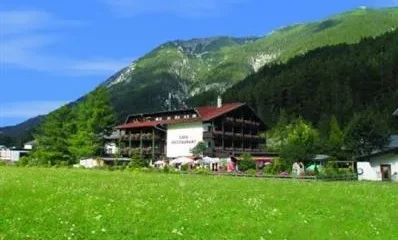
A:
(301, 144)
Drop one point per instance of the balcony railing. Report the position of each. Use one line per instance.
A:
(136, 137)
(241, 120)
(237, 150)
(133, 149)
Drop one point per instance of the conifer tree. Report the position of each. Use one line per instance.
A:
(367, 132)
(94, 119)
(52, 138)
(335, 139)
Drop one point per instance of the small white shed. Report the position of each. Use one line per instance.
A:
(12, 155)
(379, 168)
(381, 165)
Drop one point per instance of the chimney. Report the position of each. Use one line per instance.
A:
(219, 101)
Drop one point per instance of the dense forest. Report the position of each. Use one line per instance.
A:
(337, 80)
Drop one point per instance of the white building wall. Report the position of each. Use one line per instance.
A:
(111, 148)
(371, 170)
(11, 155)
(5, 154)
(28, 146)
(181, 138)
(89, 163)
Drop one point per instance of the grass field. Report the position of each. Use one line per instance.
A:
(82, 204)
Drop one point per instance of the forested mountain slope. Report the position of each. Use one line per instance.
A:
(195, 71)
(339, 80)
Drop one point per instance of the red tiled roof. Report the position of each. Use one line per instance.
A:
(206, 113)
(156, 123)
(209, 112)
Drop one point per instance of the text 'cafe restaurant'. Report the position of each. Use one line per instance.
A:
(228, 130)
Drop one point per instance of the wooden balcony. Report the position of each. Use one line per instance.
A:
(240, 121)
(229, 151)
(145, 150)
(136, 137)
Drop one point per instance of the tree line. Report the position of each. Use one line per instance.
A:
(74, 131)
(295, 139)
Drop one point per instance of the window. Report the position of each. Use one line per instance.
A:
(194, 115)
(168, 117)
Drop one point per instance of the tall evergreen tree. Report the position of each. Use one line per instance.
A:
(367, 132)
(94, 119)
(335, 140)
(52, 138)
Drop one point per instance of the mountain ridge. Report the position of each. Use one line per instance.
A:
(194, 71)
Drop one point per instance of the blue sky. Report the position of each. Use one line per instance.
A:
(53, 52)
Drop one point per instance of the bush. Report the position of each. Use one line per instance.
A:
(23, 161)
(331, 169)
(204, 171)
(184, 168)
(276, 167)
(251, 172)
(137, 161)
(145, 169)
(246, 163)
(166, 169)
(59, 164)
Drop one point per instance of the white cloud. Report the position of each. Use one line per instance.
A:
(20, 21)
(25, 21)
(183, 8)
(26, 35)
(28, 109)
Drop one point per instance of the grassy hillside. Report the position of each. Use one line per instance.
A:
(83, 204)
(195, 71)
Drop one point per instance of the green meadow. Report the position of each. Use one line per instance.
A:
(50, 203)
